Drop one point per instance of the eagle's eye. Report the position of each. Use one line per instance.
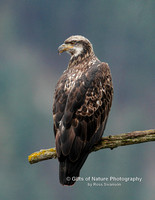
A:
(73, 42)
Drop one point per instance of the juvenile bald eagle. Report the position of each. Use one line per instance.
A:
(82, 101)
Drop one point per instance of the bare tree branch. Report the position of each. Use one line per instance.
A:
(111, 142)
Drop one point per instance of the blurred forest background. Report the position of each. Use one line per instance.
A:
(122, 34)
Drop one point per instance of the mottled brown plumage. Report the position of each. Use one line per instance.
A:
(82, 101)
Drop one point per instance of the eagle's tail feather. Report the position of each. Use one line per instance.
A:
(69, 171)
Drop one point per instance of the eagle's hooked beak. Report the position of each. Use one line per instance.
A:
(64, 47)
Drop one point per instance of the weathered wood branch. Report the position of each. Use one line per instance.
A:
(111, 142)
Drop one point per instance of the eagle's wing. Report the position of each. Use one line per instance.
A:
(80, 115)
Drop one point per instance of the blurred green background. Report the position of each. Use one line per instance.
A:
(122, 34)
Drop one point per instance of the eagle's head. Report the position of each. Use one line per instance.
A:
(76, 46)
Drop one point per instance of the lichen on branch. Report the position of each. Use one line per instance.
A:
(111, 142)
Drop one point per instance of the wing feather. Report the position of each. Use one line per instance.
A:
(81, 109)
